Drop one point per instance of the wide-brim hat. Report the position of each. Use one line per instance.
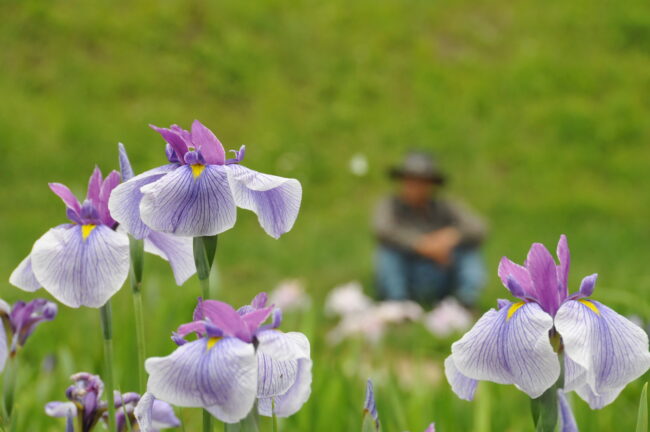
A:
(420, 165)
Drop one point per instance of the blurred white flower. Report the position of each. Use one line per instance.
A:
(290, 295)
(359, 164)
(367, 324)
(447, 318)
(347, 299)
(394, 311)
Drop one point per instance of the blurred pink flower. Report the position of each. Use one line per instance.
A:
(447, 318)
(290, 295)
(347, 299)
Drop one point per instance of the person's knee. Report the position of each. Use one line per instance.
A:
(391, 274)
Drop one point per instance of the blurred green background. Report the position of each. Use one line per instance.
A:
(538, 111)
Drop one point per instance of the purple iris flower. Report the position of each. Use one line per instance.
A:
(19, 322)
(235, 360)
(86, 261)
(197, 193)
(85, 404)
(519, 342)
(153, 414)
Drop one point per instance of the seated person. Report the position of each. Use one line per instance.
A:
(428, 245)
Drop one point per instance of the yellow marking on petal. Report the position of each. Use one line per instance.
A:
(86, 230)
(590, 305)
(513, 308)
(197, 169)
(212, 342)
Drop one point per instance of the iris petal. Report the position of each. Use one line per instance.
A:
(510, 348)
(610, 349)
(80, 272)
(23, 276)
(284, 372)
(543, 272)
(177, 250)
(464, 387)
(4, 349)
(275, 200)
(124, 202)
(180, 204)
(208, 143)
(567, 420)
(223, 379)
(153, 414)
(510, 270)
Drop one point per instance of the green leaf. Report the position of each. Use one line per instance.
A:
(642, 418)
(544, 410)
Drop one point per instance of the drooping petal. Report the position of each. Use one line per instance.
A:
(611, 349)
(185, 205)
(152, 414)
(284, 372)
(174, 139)
(567, 420)
(510, 270)
(275, 200)
(543, 273)
(221, 378)
(124, 202)
(66, 195)
(177, 250)
(23, 276)
(78, 271)
(464, 387)
(562, 271)
(210, 146)
(510, 346)
(61, 409)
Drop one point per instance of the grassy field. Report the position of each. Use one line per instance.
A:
(538, 111)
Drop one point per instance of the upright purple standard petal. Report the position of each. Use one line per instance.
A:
(543, 273)
(124, 202)
(68, 197)
(174, 139)
(275, 200)
(94, 186)
(284, 372)
(111, 181)
(78, 271)
(508, 271)
(464, 387)
(563, 269)
(23, 276)
(189, 203)
(125, 164)
(210, 146)
(510, 346)
(567, 420)
(177, 250)
(611, 349)
(220, 377)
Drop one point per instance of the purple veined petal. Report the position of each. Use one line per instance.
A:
(567, 420)
(152, 414)
(94, 186)
(611, 349)
(66, 195)
(259, 301)
(510, 346)
(283, 360)
(562, 270)
(23, 277)
(222, 378)
(177, 250)
(174, 139)
(464, 387)
(597, 401)
(574, 375)
(543, 273)
(197, 327)
(124, 202)
(509, 269)
(210, 146)
(125, 164)
(110, 182)
(587, 285)
(80, 272)
(183, 205)
(370, 408)
(61, 409)
(4, 348)
(275, 200)
(224, 317)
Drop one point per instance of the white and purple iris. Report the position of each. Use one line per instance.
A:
(197, 193)
(89, 409)
(19, 322)
(235, 361)
(86, 261)
(519, 343)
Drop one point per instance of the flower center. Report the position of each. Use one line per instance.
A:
(86, 230)
(197, 169)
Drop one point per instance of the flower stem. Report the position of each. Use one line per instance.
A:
(275, 418)
(107, 332)
(137, 265)
(204, 251)
(8, 392)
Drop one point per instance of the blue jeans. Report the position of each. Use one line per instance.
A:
(405, 275)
